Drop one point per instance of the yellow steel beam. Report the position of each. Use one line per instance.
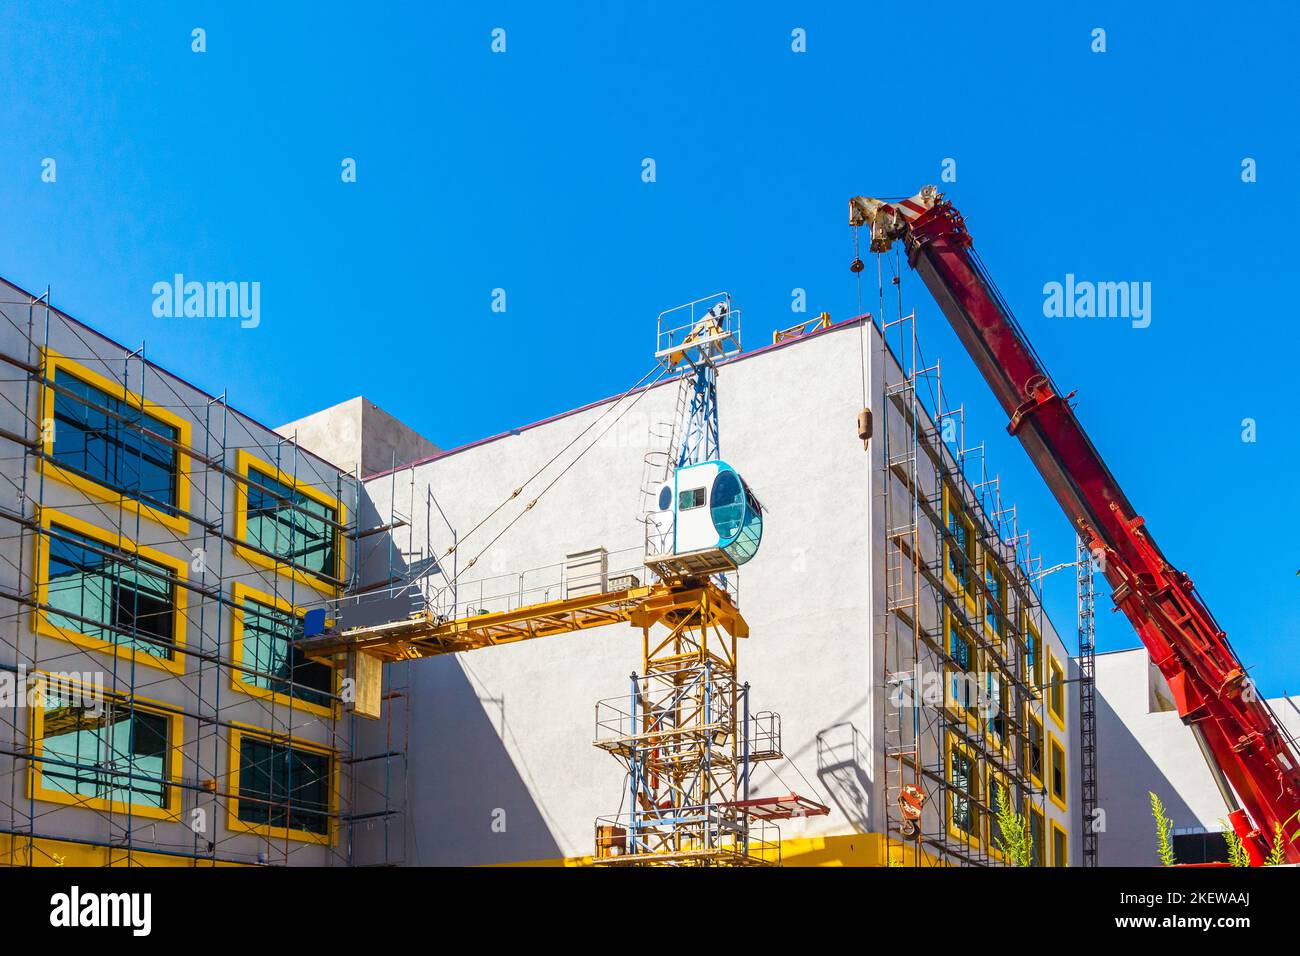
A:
(423, 635)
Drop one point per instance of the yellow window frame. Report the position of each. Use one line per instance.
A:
(970, 714)
(956, 745)
(1032, 676)
(953, 507)
(53, 362)
(237, 734)
(1032, 722)
(1053, 745)
(1005, 746)
(992, 567)
(1065, 838)
(992, 778)
(1055, 683)
(180, 569)
(239, 594)
(1039, 853)
(248, 466)
(175, 760)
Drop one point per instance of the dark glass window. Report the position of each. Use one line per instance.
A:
(1060, 848)
(961, 548)
(110, 752)
(964, 791)
(290, 525)
(691, 498)
(1058, 772)
(109, 592)
(1036, 838)
(964, 684)
(1200, 848)
(282, 786)
(1036, 749)
(269, 650)
(112, 449)
(727, 507)
(994, 602)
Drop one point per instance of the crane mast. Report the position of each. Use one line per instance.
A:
(1244, 745)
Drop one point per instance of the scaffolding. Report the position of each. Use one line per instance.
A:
(123, 797)
(960, 606)
(1087, 702)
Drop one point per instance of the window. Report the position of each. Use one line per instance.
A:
(291, 528)
(963, 682)
(1033, 655)
(1060, 846)
(995, 599)
(282, 786)
(105, 754)
(1056, 690)
(1200, 848)
(264, 632)
(998, 699)
(1034, 749)
(959, 546)
(104, 594)
(113, 444)
(691, 498)
(997, 783)
(1057, 770)
(1037, 837)
(964, 793)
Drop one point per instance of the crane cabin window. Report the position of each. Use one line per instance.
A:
(690, 498)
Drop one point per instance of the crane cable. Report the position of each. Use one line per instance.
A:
(519, 490)
(529, 507)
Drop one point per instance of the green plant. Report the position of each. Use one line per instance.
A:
(1277, 855)
(1013, 838)
(1164, 831)
(1237, 855)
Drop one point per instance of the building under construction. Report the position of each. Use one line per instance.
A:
(223, 638)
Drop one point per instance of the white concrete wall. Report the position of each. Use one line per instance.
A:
(1140, 751)
(511, 728)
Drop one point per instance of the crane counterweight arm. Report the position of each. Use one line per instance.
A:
(1241, 737)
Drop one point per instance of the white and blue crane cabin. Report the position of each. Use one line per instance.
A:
(706, 510)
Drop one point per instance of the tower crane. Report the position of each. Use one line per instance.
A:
(1248, 752)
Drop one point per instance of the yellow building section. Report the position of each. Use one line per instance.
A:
(854, 849)
(19, 851)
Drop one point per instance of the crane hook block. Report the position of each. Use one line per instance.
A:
(864, 425)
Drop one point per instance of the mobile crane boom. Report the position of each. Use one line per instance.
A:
(1243, 743)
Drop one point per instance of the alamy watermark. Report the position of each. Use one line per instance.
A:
(82, 690)
(208, 300)
(1084, 299)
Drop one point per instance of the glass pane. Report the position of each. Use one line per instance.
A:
(108, 446)
(282, 786)
(269, 651)
(106, 752)
(290, 525)
(111, 593)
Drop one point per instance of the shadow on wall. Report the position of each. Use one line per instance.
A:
(467, 803)
(1125, 776)
(841, 752)
(459, 799)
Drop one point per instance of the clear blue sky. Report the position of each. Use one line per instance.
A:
(523, 171)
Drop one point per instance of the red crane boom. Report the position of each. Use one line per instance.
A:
(1238, 733)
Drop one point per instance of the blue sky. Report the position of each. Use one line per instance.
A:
(522, 171)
